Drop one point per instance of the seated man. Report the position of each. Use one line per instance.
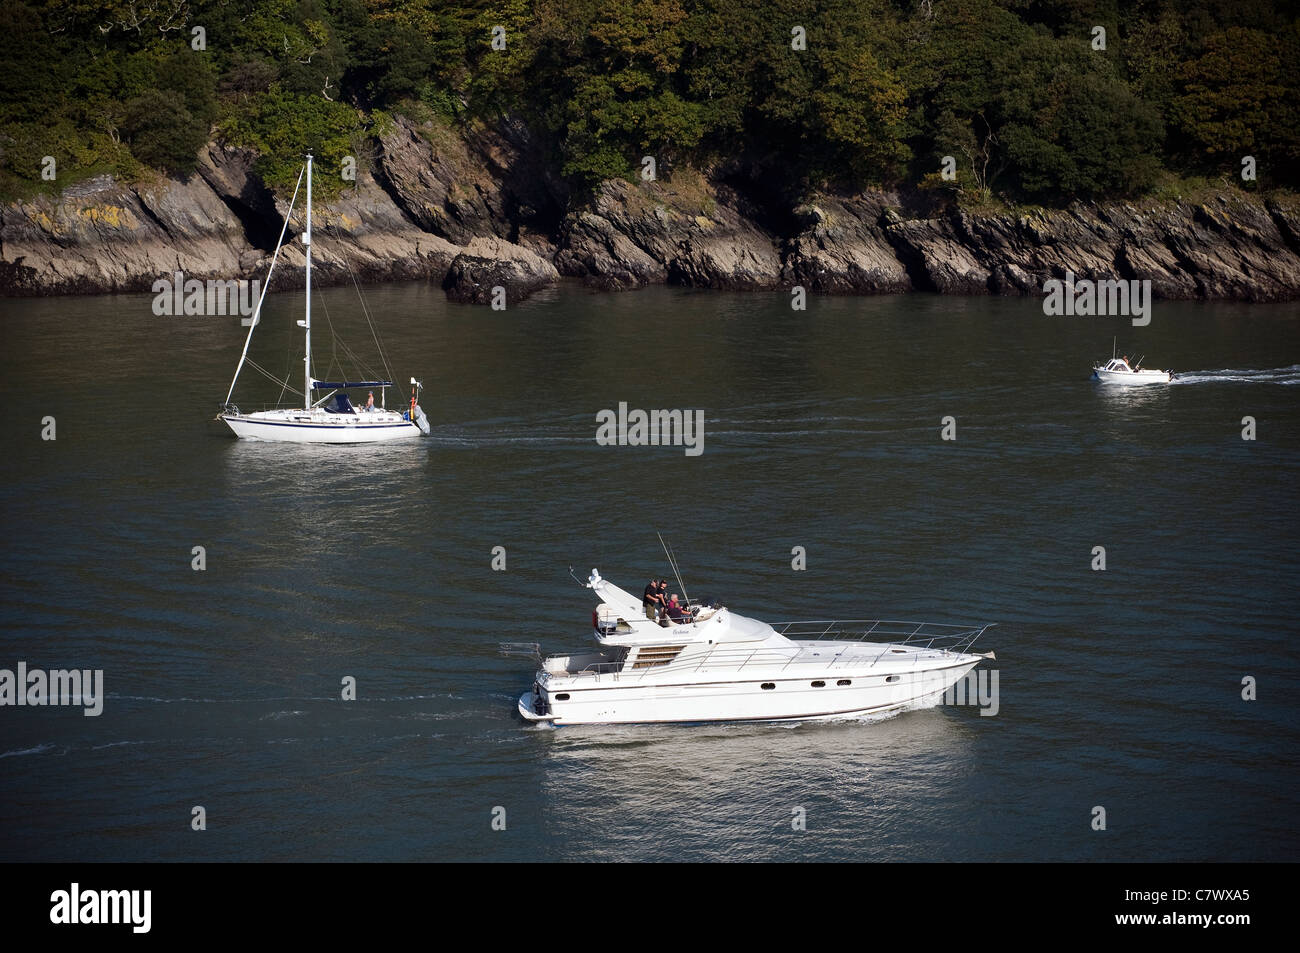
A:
(675, 611)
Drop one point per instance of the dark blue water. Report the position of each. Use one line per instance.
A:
(1119, 689)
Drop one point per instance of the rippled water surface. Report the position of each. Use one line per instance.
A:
(1119, 688)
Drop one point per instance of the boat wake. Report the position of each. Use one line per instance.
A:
(1287, 376)
(18, 752)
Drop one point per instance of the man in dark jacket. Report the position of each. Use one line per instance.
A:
(653, 600)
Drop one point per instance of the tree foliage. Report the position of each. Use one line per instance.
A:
(1019, 94)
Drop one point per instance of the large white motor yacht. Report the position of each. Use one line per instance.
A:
(717, 665)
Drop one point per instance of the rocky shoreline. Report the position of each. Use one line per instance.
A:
(478, 209)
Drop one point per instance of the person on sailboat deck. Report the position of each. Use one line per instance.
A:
(653, 600)
(675, 612)
(370, 401)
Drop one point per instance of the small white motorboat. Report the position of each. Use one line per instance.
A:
(1118, 370)
(713, 665)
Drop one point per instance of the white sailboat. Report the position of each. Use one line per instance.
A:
(331, 418)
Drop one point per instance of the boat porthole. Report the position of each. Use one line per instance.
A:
(845, 681)
(892, 678)
(562, 697)
(769, 685)
(819, 685)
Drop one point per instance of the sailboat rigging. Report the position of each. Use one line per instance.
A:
(331, 418)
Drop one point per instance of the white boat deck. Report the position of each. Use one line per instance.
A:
(921, 645)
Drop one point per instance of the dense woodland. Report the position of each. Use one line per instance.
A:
(1014, 90)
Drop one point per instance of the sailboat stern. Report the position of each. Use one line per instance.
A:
(421, 420)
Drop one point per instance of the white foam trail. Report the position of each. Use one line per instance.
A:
(1287, 376)
(39, 749)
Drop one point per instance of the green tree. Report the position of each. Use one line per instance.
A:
(1240, 97)
(283, 127)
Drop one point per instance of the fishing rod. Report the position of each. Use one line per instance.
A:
(672, 561)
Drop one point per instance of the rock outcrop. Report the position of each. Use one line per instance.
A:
(100, 236)
(472, 183)
(474, 208)
(1230, 247)
(843, 249)
(220, 222)
(685, 232)
(489, 263)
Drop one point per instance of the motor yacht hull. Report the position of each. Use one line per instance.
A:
(715, 665)
(304, 427)
(828, 695)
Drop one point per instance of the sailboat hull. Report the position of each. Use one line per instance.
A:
(303, 427)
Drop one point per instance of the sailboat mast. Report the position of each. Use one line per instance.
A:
(306, 359)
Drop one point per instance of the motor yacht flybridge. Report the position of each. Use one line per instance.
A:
(718, 665)
(327, 414)
(1118, 371)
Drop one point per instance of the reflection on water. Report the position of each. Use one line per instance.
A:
(700, 787)
(1125, 401)
(316, 476)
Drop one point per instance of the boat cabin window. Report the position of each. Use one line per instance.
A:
(818, 684)
(845, 681)
(892, 678)
(769, 685)
(562, 697)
